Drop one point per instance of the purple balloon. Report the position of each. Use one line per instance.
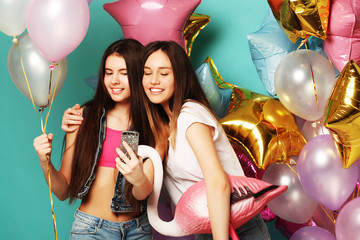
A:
(312, 233)
(322, 174)
(294, 205)
(348, 221)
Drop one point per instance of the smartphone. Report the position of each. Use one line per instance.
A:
(131, 138)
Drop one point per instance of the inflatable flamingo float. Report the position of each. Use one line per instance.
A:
(248, 198)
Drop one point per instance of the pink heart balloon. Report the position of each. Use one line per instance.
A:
(152, 20)
(57, 27)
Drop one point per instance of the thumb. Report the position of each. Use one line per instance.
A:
(50, 136)
(77, 106)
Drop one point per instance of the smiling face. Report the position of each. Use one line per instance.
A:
(158, 79)
(116, 79)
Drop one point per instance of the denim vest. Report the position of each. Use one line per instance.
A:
(119, 202)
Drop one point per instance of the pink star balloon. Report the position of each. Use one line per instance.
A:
(343, 37)
(152, 20)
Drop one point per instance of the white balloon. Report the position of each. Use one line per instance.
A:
(13, 16)
(303, 82)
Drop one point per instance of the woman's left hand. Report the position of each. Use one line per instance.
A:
(132, 168)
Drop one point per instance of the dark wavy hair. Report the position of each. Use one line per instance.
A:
(186, 86)
(88, 134)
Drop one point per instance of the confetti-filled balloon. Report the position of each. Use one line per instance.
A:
(342, 114)
(151, 20)
(343, 38)
(303, 18)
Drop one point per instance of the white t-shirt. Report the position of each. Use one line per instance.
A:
(183, 169)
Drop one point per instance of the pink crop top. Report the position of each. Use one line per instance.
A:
(108, 154)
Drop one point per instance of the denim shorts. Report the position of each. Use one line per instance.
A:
(254, 229)
(87, 226)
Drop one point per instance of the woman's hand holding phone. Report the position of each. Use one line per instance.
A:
(130, 166)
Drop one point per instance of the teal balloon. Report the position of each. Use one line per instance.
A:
(219, 98)
(268, 46)
(37, 70)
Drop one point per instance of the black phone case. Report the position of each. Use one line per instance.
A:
(131, 138)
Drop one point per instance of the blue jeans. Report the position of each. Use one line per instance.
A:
(254, 229)
(87, 227)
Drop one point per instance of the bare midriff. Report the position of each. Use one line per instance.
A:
(97, 202)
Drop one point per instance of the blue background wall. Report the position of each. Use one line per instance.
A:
(25, 209)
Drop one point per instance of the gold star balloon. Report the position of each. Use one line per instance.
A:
(264, 129)
(194, 25)
(302, 18)
(342, 114)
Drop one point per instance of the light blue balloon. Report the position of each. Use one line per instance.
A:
(268, 46)
(92, 81)
(219, 98)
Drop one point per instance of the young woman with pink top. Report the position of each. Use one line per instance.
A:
(112, 187)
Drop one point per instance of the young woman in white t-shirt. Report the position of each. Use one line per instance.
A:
(198, 147)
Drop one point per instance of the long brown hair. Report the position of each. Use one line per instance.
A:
(88, 134)
(187, 86)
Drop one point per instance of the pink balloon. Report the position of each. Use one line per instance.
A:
(313, 233)
(152, 20)
(57, 27)
(322, 174)
(348, 223)
(343, 36)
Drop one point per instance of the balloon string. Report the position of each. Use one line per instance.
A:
(43, 130)
(303, 42)
(51, 198)
(26, 79)
(313, 78)
(47, 158)
(54, 93)
(292, 169)
(331, 218)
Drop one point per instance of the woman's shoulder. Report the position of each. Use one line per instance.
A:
(194, 107)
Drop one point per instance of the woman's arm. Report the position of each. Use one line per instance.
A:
(59, 179)
(217, 184)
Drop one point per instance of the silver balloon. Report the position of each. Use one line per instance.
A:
(12, 16)
(294, 205)
(312, 129)
(303, 82)
(37, 71)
